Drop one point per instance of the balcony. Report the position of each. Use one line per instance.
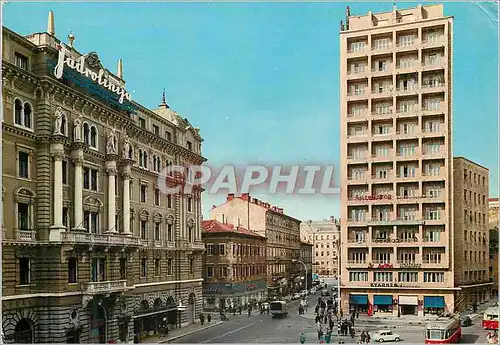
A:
(382, 49)
(351, 159)
(196, 246)
(357, 73)
(434, 264)
(433, 154)
(356, 179)
(401, 91)
(398, 221)
(24, 235)
(408, 112)
(357, 52)
(380, 221)
(377, 72)
(433, 110)
(434, 221)
(358, 137)
(407, 178)
(356, 95)
(408, 220)
(382, 158)
(435, 132)
(434, 177)
(434, 41)
(405, 46)
(357, 242)
(106, 287)
(410, 134)
(382, 115)
(91, 239)
(408, 264)
(433, 65)
(357, 116)
(356, 221)
(433, 87)
(357, 264)
(381, 178)
(410, 155)
(383, 136)
(402, 68)
(382, 242)
(382, 92)
(370, 199)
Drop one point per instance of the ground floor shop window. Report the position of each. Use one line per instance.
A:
(408, 309)
(359, 308)
(123, 331)
(433, 311)
(73, 337)
(383, 308)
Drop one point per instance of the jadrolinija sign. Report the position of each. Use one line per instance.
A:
(81, 65)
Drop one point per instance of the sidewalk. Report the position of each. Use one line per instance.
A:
(181, 332)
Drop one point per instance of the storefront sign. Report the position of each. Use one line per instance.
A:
(394, 285)
(251, 287)
(410, 265)
(211, 290)
(80, 66)
(396, 240)
(373, 197)
(382, 266)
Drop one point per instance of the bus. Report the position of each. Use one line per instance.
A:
(443, 331)
(278, 309)
(490, 318)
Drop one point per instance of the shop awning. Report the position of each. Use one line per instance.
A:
(408, 300)
(138, 316)
(359, 299)
(434, 302)
(382, 300)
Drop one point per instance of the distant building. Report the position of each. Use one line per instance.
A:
(234, 265)
(471, 233)
(306, 256)
(493, 226)
(324, 236)
(281, 231)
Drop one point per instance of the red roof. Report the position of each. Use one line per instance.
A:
(214, 226)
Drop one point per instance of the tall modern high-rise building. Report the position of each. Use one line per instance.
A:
(396, 161)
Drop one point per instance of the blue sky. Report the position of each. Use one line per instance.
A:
(261, 79)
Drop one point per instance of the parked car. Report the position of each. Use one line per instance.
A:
(325, 292)
(296, 296)
(303, 293)
(386, 335)
(465, 321)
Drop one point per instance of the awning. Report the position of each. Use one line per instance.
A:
(138, 316)
(359, 299)
(434, 302)
(382, 300)
(408, 300)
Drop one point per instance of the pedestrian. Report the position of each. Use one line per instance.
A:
(341, 313)
(316, 309)
(209, 318)
(362, 338)
(320, 330)
(302, 338)
(202, 319)
(328, 336)
(367, 337)
(249, 311)
(240, 309)
(357, 314)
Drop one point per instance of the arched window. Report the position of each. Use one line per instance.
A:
(141, 160)
(93, 137)
(64, 124)
(154, 162)
(130, 153)
(86, 134)
(145, 158)
(18, 112)
(27, 115)
(159, 164)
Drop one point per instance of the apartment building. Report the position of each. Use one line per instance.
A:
(306, 256)
(471, 233)
(92, 251)
(396, 161)
(281, 231)
(493, 226)
(234, 267)
(324, 236)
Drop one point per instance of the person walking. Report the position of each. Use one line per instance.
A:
(362, 338)
(302, 338)
(367, 338)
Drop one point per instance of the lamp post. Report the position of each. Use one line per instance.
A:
(337, 245)
(305, 267)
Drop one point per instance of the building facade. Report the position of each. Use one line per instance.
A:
(281, 231)
(324, 235)
(234, 266)
(396, 161)
(493, 230)
(94, 251)
(471, 233)
(306, 256)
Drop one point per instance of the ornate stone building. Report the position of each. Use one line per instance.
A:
(92, 249)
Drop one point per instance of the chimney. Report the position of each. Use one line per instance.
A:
(230, 197)
(214, 206)
(120, 69)
(280, 210)
(223, 221)
(274, 208)
(245, 196)
(255, 201)
(51, 27)
(332, 219)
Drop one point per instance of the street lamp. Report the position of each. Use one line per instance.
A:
(337, 245)
(305, 267)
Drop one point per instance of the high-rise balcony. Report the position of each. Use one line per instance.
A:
(415, 133)
(381, 48)
(354, 159)
(357, 116)
(433, 87)
(433, 65)
(408, 155)
(440, 131)
(408, 112)
(109, 239)
(406, 46)
(410, 177)
(356, 221)
(434, 41)
(369, 199)
(382, 157)
(358, 137)
(357, 52)
(357, 264)
(435, 221)
(105, 287)
(362, 242)
(383, 115)
(434, 177)
(378, 72)
(382, 178)
(357, 73)
(402, 91)
(433, 110)
(408, 67)
(434, 263)
(356, 95)
(434, 154)
(356, 179)
(382, 92)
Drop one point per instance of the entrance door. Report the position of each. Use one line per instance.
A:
(98, 324)
(24, 332)
(191, 309)
(408, 310)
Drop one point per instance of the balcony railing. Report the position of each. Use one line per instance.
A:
(432, 40)
(357, 50)
(358, 114)
(382, 47)
(100, 239)
(377, 177)
(357, 71)
(106, 287)
(196, 246)
(382, 113)
(24, 234)
(432, 85)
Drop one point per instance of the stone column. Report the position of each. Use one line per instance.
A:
(77, 155)
(57, 151)
(126, 200)
(111, 170)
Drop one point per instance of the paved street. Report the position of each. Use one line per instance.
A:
(264, 329)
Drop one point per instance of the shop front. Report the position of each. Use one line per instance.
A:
(358, 303)
(434, 305)
(408, 305)
(382, 304)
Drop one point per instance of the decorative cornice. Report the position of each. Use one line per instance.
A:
(18, 131)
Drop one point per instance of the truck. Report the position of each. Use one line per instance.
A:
(278, 309)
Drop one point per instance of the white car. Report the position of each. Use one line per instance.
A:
(296, 296)
(303, 293)
(386, 335)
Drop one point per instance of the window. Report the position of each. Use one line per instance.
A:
(170, 268)
(210, 271)
(142, 122)
(21, 61)
(406, 41)
(65, 172)
(90, 221)
(432, 235)
(223, 272)
(157, 231)
(408, 277)
(169, 200)
(190, 145)
(222, 249)
(72, 270)
(168, 135)
(123, 268)
(382, 276)
(433, 277)
(98, 269)
(357, 46)
(23, 216)
(190, 204)
(93, 137)
(24, 271)
(190, 233)
(143, 191)
(90, 178)
(23, 159)
(157, 267)
(170, 232)
(157, 197)
(191, 266)
(65, 217)
(144, 268)
(144, 229)
(156, 130)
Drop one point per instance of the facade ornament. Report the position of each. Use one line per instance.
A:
(126, 146)
(59, 121)
(111, 143)
(77, 130)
